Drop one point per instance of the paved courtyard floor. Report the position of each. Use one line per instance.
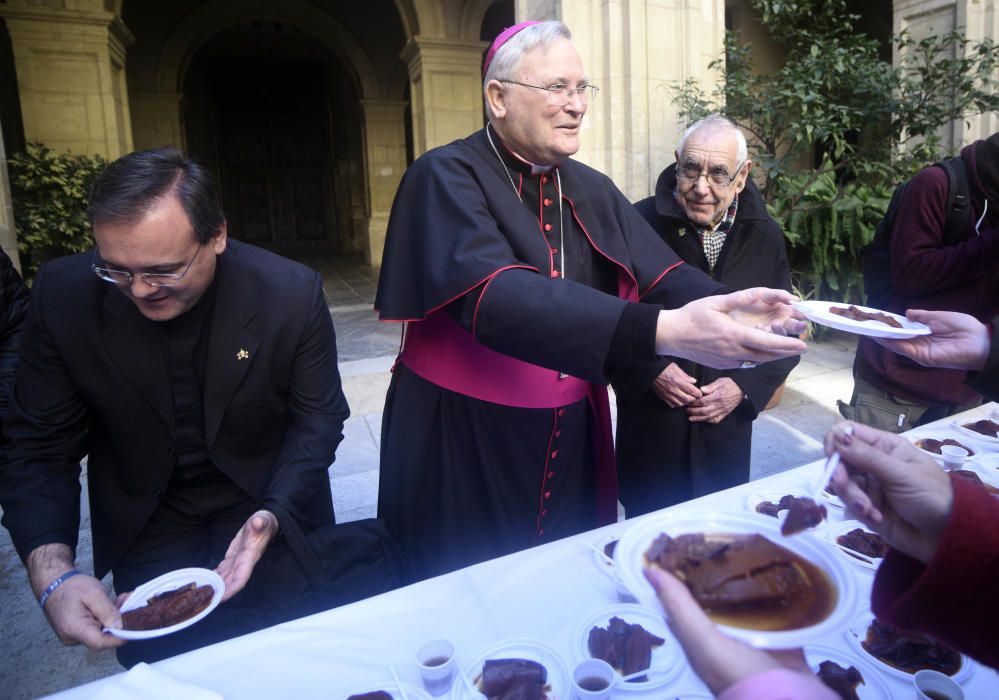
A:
(35, 663)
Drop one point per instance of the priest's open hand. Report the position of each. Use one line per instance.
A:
(245, 551)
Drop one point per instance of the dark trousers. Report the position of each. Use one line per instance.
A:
(193, 526)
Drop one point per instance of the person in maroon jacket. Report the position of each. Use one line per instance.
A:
(891, 392)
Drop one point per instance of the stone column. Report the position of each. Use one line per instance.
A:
(385, 156)
(634, 51)
(156, 120)
(446, 90)
(71, 78)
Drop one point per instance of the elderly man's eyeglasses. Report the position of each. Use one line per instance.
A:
(692, 173)
(153, 279)
(560, 93)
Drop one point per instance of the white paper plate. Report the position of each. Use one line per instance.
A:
(558, 677)
(667, 658)
(873, 687)
(857, 633)
(841, 528)
(829, 499)
(392, 688)
(818, 311)
(987, 463)
(630, 558)
(941, 434)
(992, 442)
(168, 582)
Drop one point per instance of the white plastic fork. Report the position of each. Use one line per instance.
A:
(831, 463)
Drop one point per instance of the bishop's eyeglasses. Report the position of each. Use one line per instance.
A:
(561, 94)
(153, 279)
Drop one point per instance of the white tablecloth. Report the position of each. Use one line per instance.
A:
(544, 593)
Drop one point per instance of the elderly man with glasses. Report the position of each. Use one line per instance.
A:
(686, 430)
(199, 375)
(527, 281)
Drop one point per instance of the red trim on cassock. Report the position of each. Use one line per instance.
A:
(658, 279)
(459, 295)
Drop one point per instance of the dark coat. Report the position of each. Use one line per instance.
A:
(662, 457)
(93, 380)
(13, 307)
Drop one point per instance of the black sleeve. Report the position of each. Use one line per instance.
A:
(47, 428)
(554, 323)
(986, 382)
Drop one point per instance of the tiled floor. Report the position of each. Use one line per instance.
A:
(35, 663)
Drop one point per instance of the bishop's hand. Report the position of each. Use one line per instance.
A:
(732, 330)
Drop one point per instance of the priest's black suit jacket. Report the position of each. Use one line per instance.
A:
(93, 380)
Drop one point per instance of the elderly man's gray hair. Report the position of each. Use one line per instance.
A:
(507, 59)
(717, 121)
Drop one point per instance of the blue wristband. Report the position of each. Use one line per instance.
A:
(54, 585)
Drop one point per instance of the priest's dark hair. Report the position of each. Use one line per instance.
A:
(125, 191)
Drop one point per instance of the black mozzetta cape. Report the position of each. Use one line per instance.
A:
(464, 480)
(662, 457)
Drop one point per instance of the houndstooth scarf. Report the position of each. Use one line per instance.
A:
(713, 240)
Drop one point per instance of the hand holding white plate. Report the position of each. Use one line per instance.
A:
(168, 582)
(630, 559)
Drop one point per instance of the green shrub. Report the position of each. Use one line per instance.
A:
(869, 125)
(49, 192)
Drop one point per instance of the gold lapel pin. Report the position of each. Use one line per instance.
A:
(242, 354)
(682, 232)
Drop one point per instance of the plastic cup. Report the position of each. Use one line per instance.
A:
(592, 679)
(953, 456)
(932, 685)
(436, 661)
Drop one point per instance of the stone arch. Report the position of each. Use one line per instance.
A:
(472, 15)
(409, 18)
(428, 17)
(207, 20)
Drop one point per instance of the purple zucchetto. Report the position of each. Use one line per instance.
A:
(503, 37)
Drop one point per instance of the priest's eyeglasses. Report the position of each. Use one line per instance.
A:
(153, 279)
(560, 93)
(692, 173)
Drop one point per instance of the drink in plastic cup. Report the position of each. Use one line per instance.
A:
(592, 679)
(953, 456)
(931, 685)
(436, 661)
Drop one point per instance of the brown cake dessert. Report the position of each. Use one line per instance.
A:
(973, 477)
(169, 608)
(867, 543)
(909, 652)
(625, 646)
(842, 681)
(373, 695)
(802, 514)
(985, 427)
(770, 508)
(609, 549)
(933, 445)
(514, 679)
(746, 580)
(855, 314)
